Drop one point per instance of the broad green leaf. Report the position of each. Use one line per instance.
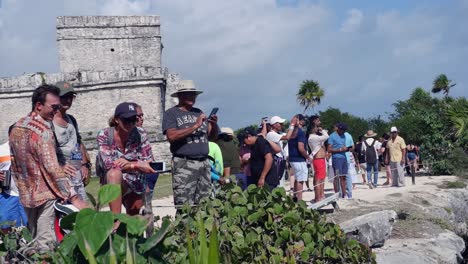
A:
(68, 244)
(154, 240)
(136, 225)
(93, 226)
(108, 193)
(68, 222)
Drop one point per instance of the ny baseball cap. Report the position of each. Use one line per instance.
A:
(125, 110)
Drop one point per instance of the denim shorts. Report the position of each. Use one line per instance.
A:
(340, 166)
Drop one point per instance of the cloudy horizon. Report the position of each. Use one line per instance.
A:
(250, 57)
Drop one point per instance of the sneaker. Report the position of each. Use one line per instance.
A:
(370, 186)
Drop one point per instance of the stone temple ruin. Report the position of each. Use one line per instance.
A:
(109, 59)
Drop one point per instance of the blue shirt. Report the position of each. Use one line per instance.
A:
(294, 154)
(336, 141)
(349, 143)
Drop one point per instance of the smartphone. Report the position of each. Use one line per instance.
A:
(213, 112)
(158, 165)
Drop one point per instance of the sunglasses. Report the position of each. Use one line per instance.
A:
(55, 107)
(130, 120)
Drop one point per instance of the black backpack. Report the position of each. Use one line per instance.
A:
(361, 155)
(371, 156)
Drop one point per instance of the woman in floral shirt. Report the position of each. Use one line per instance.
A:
(126, 153)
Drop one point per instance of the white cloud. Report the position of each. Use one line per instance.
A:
(124, 7)
(250, 56)
(353, 22)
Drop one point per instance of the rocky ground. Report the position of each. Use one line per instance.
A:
(421, 223)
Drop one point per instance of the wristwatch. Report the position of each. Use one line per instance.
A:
(87, 165)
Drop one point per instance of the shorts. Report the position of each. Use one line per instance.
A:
(135, 182)
(340, 166)
(300, 170)
(363, 167)
(320, 168)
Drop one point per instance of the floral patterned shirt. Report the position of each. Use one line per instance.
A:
(137, 148)
(35, 166)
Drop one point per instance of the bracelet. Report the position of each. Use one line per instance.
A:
(291, 127)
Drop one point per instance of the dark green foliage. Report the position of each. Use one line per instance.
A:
(258, 226)
(428, 123)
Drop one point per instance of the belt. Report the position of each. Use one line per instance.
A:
(198, 158)
(318, 158)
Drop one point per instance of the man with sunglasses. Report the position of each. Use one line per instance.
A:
(67, 134)
(39, 177)
(187, 129)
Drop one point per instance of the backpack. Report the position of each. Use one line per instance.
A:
(371, 156)
(361, 155)
(100, 167)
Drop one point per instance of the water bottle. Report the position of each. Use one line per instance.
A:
(5, 184)
(76, 157)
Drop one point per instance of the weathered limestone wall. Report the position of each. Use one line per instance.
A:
(108, 43)
(109, 60)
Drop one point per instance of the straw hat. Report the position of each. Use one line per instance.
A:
(370, 133)
(186, 86)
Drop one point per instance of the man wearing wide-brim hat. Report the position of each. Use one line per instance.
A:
(372, 157)
(187, 129)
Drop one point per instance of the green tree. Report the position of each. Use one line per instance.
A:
(310, 94)
(356, 125)
(442, 83)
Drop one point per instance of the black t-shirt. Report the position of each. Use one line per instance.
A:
(385, 153)
(257, 161)
(196, 144)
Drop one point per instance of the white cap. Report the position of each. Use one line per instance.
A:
(276, 119)
(227, 130)
(393, 129)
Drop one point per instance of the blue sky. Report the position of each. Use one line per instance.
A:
(250, 56)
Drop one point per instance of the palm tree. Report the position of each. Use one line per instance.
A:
(310, 93)
(458, 114)
(442, 83)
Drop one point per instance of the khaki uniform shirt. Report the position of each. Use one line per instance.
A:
(395, 147)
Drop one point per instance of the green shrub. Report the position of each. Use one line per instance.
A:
(258, 226)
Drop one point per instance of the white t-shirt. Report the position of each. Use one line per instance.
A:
(276, 138)
(377, 145)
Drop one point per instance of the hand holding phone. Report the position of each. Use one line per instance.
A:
(213, 112)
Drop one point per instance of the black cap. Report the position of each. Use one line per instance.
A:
(300, 117)
(125, 110)
(342, 126)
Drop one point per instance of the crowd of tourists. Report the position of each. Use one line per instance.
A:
(49, 161)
